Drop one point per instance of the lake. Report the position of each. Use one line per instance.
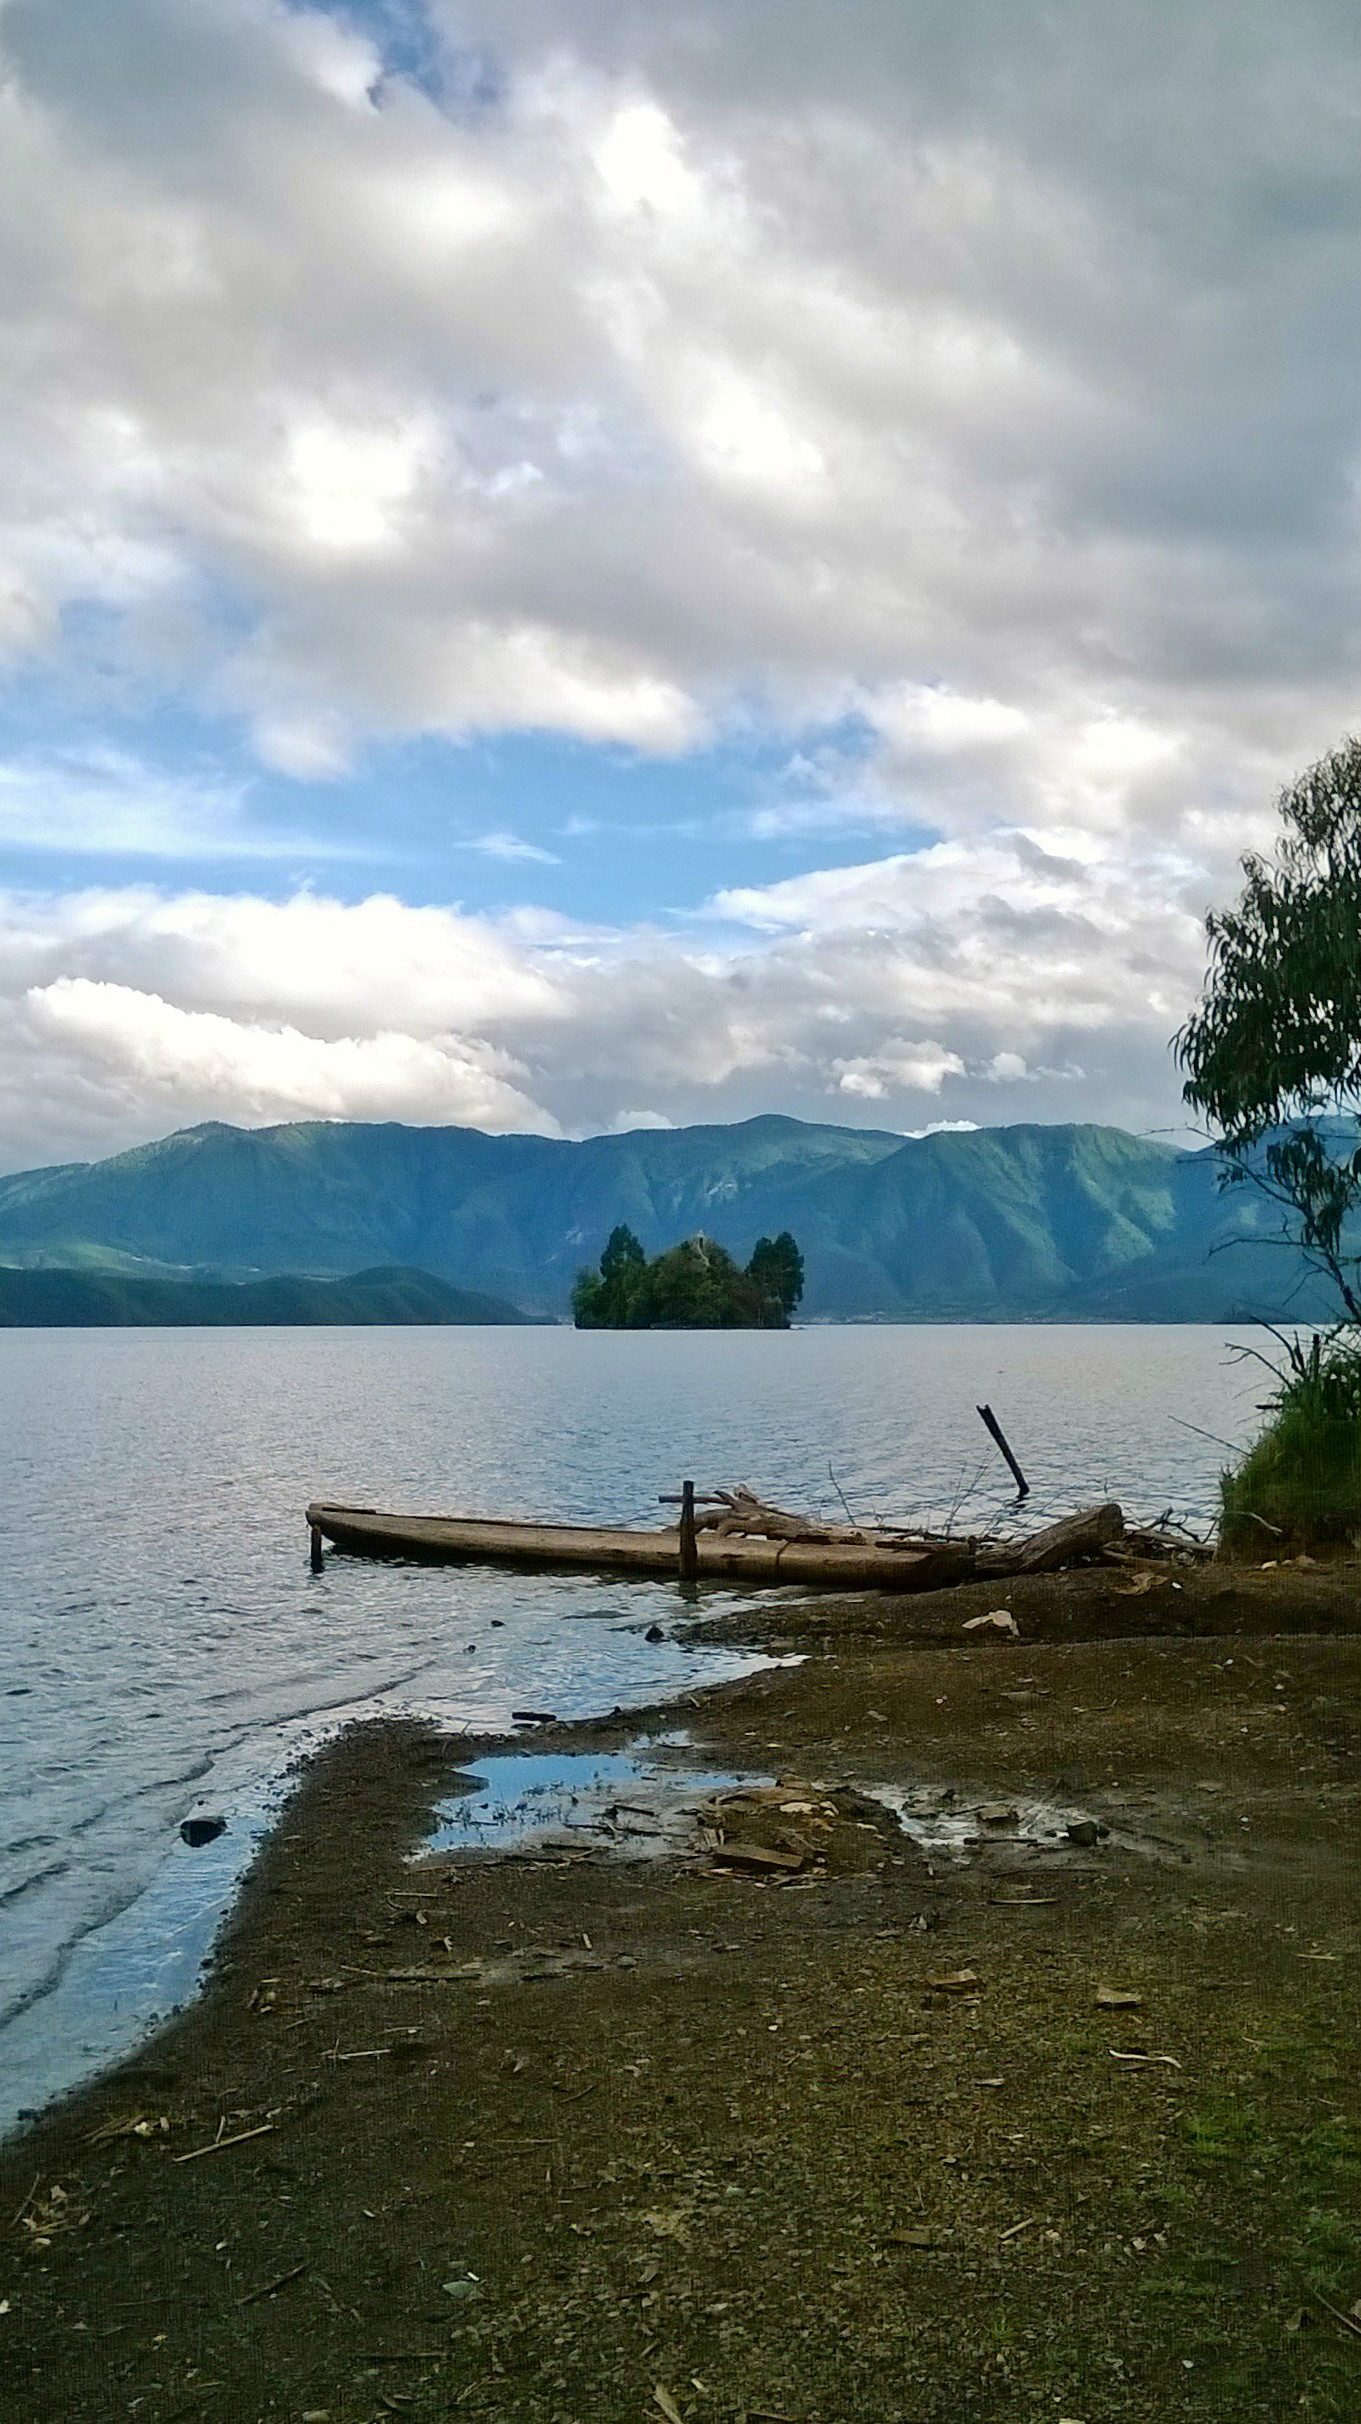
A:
(165, 1647)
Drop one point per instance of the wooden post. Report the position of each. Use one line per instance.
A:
(993, 1425)
(316, 1549)
(688, 1550)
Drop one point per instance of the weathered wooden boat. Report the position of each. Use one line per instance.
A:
(873, 1562)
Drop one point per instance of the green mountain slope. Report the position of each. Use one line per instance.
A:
(1008, 1223)
(68, 1300)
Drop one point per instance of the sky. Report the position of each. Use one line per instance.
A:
(568, 567)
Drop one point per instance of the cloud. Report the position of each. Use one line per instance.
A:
(965, 399)
(509, 846)
(125, 1012)
(151, 1052)
(694, 360)
(96, 800)
(899, 1068)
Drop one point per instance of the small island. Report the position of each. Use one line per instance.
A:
(693, 1286)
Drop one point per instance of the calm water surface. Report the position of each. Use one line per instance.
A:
(163, 1646)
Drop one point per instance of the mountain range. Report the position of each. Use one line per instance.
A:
(1076, 1223)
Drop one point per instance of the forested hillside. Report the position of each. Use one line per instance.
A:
(1024, 1222)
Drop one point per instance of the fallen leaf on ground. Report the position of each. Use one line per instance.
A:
(1117, 1999)
(955, 1982)
(1169, 2059)
(661, 2397)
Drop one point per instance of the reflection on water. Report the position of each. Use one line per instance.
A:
(625, 1802)
(162, 1643)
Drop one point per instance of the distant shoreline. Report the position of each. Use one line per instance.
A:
(388, 1298)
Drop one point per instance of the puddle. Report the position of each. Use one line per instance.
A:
(947, 1823)
(629, 1802)
(637, 1805)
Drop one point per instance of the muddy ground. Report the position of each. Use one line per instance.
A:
(878, 2141)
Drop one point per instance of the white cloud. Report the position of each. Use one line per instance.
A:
(898, 1068)
(147, 1051)
(126, 1012)
(640, 160)
(705, 360)
(96, 800)
(750, 362)
(625, 1122)
(508, 846)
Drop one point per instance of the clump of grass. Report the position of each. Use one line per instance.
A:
(1299, 1487)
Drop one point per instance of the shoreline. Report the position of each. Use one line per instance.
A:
(728, 2131)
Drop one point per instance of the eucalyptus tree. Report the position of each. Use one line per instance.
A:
(1272, 1052)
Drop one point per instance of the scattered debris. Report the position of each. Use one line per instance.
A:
(138, 2125)
(1000, 1620)
(1146, 2060)
(793, 1827)
(220, 2144)
(758, 1856)
(956, 1982)
(49, 2217)
(533, 1717)
(1086, 1831)
(1348, 2323)
(999, 1813)
(253, 2296)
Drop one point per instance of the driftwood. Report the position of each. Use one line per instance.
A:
(739, 1511)
(1157, 1543)
(1085, 1534)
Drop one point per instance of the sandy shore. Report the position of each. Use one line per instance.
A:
(590, 2136)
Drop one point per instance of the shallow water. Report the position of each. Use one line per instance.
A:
(629, 1802)
(164, 1647)
(647, 1802)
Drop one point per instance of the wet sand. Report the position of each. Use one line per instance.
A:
(574, 2134)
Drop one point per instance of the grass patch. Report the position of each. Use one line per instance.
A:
(1300, 1485)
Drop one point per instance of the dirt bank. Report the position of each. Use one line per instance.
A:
(574, 2136)
(1091, 1603)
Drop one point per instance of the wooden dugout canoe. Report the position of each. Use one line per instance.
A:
(599, 1549)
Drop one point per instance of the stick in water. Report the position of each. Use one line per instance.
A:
(992, 1424)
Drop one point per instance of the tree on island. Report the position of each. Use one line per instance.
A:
(693, 1286)
(1273, 1057)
